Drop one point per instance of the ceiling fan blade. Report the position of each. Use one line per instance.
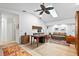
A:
(37, 10)
(41, 13)
(47, 12)
(42, 6)
(49, 8)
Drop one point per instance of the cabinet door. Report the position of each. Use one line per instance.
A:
(24, 39)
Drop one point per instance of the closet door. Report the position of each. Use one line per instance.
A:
(11, 35)
(8, 28)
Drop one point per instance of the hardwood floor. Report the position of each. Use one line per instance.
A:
(52, 49)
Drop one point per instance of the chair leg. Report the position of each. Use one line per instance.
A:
(37, 40)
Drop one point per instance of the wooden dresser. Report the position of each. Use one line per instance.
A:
(24, 39)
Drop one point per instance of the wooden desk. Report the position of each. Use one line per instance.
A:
(37, 38)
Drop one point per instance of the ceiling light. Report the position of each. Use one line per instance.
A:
(40, 16)
(53, 13)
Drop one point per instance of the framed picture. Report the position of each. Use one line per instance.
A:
(63, 29)
(56, 29)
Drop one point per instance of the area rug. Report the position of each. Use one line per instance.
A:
(61, 42)
(33, 46)
(15, 50)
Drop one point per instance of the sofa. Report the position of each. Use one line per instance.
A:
(58, 35)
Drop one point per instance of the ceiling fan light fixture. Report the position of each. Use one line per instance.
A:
(53, 13)
(40, 15)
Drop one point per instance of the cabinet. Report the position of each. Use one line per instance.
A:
(24, 39)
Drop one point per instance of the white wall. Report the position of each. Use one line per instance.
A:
(51, 29)
(27, 21)
(71, 30)
(62, 21)
(70, 26)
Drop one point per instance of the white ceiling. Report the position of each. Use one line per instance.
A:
(64, 10)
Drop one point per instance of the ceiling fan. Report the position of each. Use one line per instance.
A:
(44, 9)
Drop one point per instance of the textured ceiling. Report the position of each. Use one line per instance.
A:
(64, 10)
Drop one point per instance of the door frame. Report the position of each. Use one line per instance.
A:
(77, 31)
